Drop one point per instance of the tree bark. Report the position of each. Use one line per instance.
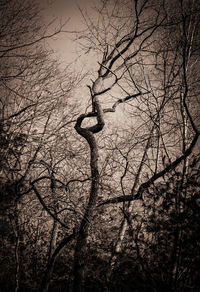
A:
(47, 275)
(81, 244)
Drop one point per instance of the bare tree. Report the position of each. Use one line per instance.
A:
(35, 105)
(88, 185)
(126, 40)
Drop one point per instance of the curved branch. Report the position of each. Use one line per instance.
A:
(46, 208)
(20, 111)
(28, 44)
(47, 177)
(122, 100)
(86, 132)
(76, 180)
(145, 185)
(50, 265)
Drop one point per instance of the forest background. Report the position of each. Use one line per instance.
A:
(99, 147)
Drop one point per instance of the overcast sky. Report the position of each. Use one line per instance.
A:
(66, 50)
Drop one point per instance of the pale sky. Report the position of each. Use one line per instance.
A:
(66, 50)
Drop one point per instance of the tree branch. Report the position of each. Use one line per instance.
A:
(145, 185)
(46, 208)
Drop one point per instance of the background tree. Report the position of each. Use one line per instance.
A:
(35, 106)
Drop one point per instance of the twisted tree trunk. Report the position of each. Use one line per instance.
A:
(81, 244)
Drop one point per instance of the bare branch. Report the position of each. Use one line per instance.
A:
(46, 208)
(145, 185)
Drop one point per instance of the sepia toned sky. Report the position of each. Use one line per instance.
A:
(66, 49)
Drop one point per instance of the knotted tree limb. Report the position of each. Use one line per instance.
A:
(81, 244)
